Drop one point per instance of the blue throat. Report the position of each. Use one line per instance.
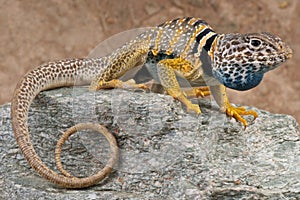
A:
(240, 83)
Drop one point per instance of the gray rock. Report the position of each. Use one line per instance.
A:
(165, 153)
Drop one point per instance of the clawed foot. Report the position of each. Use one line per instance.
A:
(179, 95)
(197, 92)
(193, 108)
(237, 112)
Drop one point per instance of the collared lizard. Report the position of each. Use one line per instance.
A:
(186, 47)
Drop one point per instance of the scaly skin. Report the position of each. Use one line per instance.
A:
(186, 47)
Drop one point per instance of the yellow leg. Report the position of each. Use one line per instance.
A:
(116, 65)
(166, 73)
(220, 95)
(115, 83)
(177, 94)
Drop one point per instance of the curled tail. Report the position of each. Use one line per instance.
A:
(70, 73)
(51, 75)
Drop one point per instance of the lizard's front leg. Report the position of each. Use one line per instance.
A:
(166, 73)
(220, 95)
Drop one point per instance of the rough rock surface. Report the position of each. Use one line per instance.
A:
(165, 152)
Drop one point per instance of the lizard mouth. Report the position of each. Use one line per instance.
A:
(288, 53)
(273, 60)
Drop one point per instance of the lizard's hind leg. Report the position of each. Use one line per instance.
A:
(116, 83)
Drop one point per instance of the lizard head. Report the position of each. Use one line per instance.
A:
(240, 60)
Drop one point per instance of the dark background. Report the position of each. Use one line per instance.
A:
(34, 32)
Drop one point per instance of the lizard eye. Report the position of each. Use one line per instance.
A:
(255, 42)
